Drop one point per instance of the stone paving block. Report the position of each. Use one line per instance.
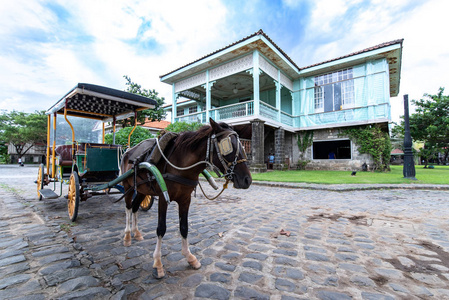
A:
(286, 252)
(346, 256)
(231, 255)
(10, 242)
(362, 280)
(286, 261)
(331, 295)
(78, 283)
(284, 285)
(51, 251)
(193, 280)
(294, 274)
(220, 277)
(389, 273)
(249, 277)
(244, 292)
(90, 293)
(316, 256)
(54, 258)
(321, 268)
(14, 268)
(258, 256)
(13, 280)
(374, 296)
(131, 262)
(212, 291)
(253, 265)
(64, 275)
(225, 267)
(12, 260)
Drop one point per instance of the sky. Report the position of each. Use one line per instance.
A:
(47, 47)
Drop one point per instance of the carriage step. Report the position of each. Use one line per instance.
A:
(48, 194)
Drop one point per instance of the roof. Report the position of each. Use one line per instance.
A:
(258, 33)
(156, 124)
(383, 45)
(260, 41)
(397, 151)
(99, 102)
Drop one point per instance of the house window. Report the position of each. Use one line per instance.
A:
(193, 109)
(180, 112)
(334, 91)
(336, 149)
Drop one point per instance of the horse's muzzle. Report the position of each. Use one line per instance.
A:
(242, 182)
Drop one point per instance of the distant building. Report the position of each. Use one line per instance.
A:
(35, 155)
(253, 85)
(155, 126)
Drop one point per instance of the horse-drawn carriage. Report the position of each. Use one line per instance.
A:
(81, 157)
(167, 168)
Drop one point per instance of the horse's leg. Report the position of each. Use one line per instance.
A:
(158, 268)
(135, 207)
(184, 229)
(128, 210)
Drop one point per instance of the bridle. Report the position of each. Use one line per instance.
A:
(224, 147)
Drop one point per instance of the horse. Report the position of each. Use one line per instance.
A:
(216, 145)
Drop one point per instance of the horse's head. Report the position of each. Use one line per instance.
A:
(230, 156)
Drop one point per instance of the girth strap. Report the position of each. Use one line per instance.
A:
(179, 179)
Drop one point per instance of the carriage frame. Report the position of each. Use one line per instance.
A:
(90, 168)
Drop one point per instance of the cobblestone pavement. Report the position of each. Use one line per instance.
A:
(358, 244)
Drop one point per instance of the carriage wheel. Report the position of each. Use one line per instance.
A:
(73, 199)
(147, 203)
(40, 180)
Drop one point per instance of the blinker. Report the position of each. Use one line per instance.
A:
(225, 146)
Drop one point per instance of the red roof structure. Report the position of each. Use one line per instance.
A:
(156, 124)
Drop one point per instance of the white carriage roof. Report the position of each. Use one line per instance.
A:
(99, 102)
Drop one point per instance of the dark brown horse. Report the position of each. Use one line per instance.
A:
(219, 146)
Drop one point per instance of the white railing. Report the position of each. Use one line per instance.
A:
(192, 118)
(245, 109)
(232, 111)
(268, 111)
(287, 119)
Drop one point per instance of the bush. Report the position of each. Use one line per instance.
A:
(121, 136)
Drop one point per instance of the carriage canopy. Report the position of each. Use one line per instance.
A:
(99, 102)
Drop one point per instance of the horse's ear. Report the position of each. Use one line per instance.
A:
(214, 125)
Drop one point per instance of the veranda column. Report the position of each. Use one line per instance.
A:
(208, 96)
(256, 73)
(278, 96)
(279, 149)
(174, 104)
(257, 147)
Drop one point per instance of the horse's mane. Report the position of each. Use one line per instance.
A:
(191, 140)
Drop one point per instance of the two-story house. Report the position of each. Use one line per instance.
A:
(254, 86)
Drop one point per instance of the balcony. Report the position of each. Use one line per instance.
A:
(246, 109)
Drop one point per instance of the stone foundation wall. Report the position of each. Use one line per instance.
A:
(353, 164)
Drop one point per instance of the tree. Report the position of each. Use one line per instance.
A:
(121, 136)
(155, 114)
(23, 130)
(183, 126)
(430, 124)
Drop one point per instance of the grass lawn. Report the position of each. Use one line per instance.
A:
(439, 175)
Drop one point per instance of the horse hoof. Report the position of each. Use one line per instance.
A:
(157, 275)
(196, 265)
(138, 237)
(127, 243)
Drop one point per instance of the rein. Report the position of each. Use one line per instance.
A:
(222, 149)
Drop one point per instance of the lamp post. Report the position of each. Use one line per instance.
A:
(409, 164)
